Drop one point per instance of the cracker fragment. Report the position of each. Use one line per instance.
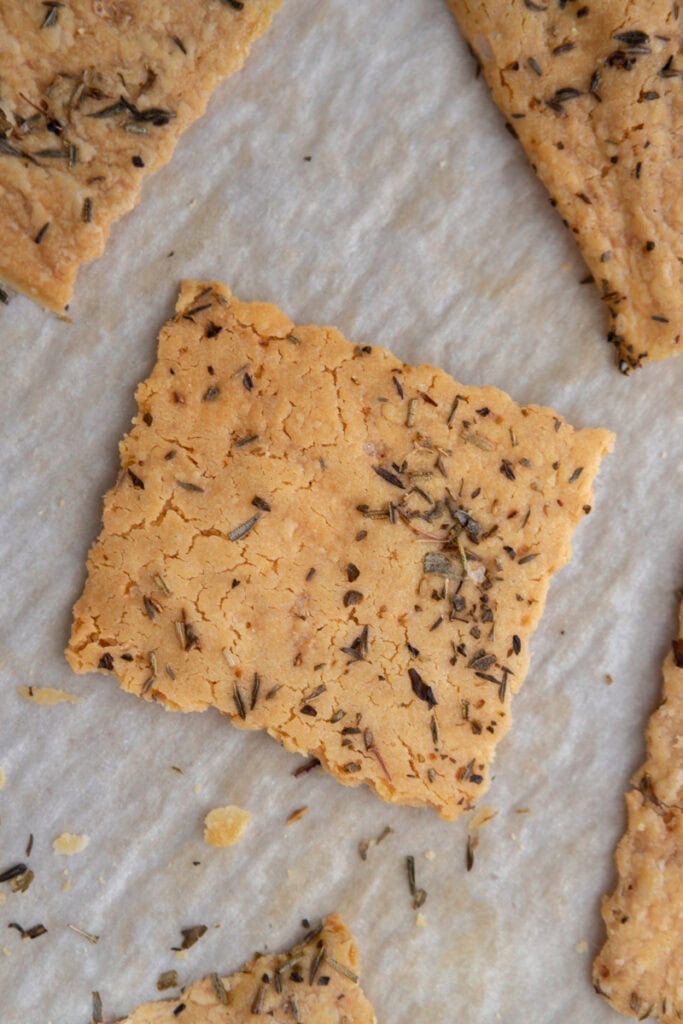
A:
(225, 826)
(68, 843)
(316, 982)
(640, 968)
(93, 97)
(593, 93)
(47, 696)
(375, 584)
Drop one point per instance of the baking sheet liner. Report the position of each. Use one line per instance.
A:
(355, 173)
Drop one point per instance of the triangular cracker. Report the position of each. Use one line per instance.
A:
(593, 91)
(94, 95)
(328, 544)
(640, 968)
(315, 983)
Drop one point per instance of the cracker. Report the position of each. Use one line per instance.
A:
(317, 982)
(323, 542)
(640, 967)
(94, 95)
(593, 92)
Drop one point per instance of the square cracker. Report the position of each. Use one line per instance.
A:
(316, 982)
(594, 94)
(640, 967)
(323, 542)
(94, 95)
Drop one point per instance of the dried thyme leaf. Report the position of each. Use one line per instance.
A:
(419, 895)
(434, 562)
(479, 441)
(190, 487)
(219, 989)
(420, 688)
(192, 935)
(389, 477)
(29, 933)
(315, 964)
(341, 968)
(14, 872)
(51, 14)
(257, 1004)
(21, 882)
(244, 528)
(358, 650)
(97, 1016)
(92, 939)
(469, 853)
(239, 701)
(167, 979)
(365, 845)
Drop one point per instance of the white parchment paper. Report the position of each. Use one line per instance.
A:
(416, 224)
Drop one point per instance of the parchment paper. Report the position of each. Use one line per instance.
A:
(416, 224)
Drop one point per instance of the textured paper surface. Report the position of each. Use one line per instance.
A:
(416, 225)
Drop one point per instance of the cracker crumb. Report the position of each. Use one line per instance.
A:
(6, 951)
(581, 947)
(483, 817)
(198, 788)
(3, 899)
(225, 826)
(2, 778)
(430, 855)
(296, 815)
(420, 921)
(69, 843)
(608, 679)
(46, 696)
(181, 954)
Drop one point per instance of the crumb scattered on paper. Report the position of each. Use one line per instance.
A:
(2, 777)
(46, 696)
(421, 921)
(581, 947)
(68, 843)
(430, 855)
(483, 816)
(224, 826)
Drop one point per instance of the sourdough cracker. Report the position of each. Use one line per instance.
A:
(640, 968)
(593, 92)
(328, 544)
(316, 983)
(94, 95)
